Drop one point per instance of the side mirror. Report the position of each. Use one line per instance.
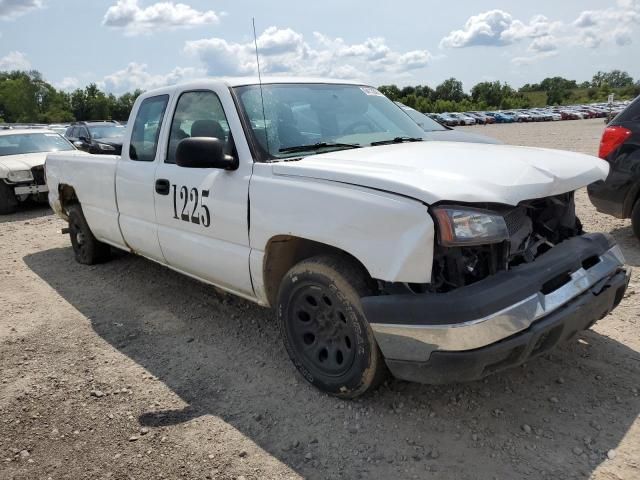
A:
(78, 144)
(84, 139)
(204, 152)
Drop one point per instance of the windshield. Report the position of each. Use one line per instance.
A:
(332, 116)
(106, 131)
(20, 143)
(427, 123)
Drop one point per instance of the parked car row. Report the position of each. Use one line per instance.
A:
(546, 114)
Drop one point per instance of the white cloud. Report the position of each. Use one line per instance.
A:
(534, 58)
(610, 25)
(285, 51)
(15, 61)
(67, 84)
(548, 43)
(15, 8)
(592, 28)
(134, 20)
(136, 75)
(497, 28)
(482, 29)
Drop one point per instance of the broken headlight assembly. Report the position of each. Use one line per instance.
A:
(462, 226)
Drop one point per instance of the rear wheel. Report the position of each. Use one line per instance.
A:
(87, 249)
(324, 328)
(635, 219)
(8, 200)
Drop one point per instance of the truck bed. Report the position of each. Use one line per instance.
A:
(93, 179)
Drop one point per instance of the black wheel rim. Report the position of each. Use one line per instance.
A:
(319, 331)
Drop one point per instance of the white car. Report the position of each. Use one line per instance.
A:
(22, 155)
(438, 261)
(464, 119)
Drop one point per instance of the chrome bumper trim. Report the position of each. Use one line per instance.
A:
(416, 342)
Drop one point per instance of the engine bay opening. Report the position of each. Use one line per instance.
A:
(534, 226)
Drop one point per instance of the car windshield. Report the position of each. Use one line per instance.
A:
(21, 143)
(323, 117)
(106, 131)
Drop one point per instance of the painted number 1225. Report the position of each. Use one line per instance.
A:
(193, 210)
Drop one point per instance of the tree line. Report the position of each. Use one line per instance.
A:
(25, 97)
(450, 96)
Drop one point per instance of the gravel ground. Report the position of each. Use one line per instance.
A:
(130, 371)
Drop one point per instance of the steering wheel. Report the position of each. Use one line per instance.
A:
(349, 129)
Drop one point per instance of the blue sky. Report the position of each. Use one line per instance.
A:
(124, 44)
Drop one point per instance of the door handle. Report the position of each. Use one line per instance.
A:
(163, 186)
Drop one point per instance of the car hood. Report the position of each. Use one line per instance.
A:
(461, 172)
(457, 136)
(23, 162)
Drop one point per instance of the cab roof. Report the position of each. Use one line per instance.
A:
(231, 82)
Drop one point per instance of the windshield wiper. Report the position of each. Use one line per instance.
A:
(397, 140)
(318, 146)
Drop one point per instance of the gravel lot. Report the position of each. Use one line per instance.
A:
(128, 370)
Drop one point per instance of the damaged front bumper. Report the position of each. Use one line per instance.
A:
(503, 320)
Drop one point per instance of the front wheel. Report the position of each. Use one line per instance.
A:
(87, 249)
(324, 328)
(635, 219)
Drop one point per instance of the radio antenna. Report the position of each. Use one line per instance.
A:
(264, 116)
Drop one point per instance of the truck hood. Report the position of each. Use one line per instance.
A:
(25, 161)
(452, 135)
(449, 171)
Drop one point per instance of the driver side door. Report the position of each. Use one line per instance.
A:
(202, 213)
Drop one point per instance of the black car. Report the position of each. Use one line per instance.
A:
(619, 194)
(103, 137)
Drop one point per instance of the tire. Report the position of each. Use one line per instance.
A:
(635, 219)
(8, 200)
(324, 328)
(87, 249)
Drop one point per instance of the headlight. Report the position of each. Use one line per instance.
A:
(106, 148)
(460, 226)
(20, 176)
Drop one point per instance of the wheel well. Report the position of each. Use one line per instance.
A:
(67, 196)
(284, 251)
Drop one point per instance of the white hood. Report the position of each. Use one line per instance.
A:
(25, 161)
(460, 172)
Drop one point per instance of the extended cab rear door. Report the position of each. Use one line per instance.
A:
(135, 178)
(202, 213)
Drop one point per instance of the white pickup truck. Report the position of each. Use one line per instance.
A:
(379, 250)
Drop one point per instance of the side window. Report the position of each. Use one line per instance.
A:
(69, 132)
(146, 128)
(83, 132)
(198, 114)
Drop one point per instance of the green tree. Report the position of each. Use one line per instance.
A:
(390, 91)
(557, 89)
(614, 78)
(450, 89)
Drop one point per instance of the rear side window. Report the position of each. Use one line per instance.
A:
(631, 113)
(146, 128)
